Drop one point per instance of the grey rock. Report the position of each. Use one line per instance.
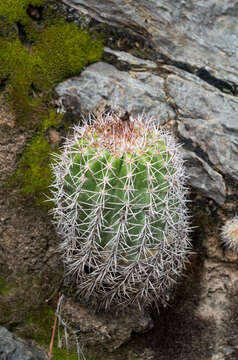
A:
(204, 178)
(13, 348)
(102, 84)
(108, 330)
(202, 34)
(131, 59)
(63, 10)
(206, 118)
(208, 121)
(229, 350)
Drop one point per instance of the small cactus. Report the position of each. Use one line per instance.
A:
(120, 200)
(229, 233)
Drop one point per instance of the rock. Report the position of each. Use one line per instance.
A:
(104, 330)
(34, 12)
(13, 348)
(201, 35)
(67, 12)
(213, 248)
(205, 117)
(229, 350)
(218, 301)
(102, 84)
(12, 141)
(202, 321)
(204, 178)
(129, 59)
(208, 121)
(53, 137)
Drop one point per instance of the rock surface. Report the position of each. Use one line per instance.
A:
(104, 330)
(205, 118)
(13, 348)
(202, 323)
(200, 34)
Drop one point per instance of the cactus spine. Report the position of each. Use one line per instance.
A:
(120, 200)
(229, 233)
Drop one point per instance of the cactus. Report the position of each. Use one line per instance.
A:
(229, 233)
(120, 200)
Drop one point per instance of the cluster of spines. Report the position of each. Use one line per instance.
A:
(229, 233)
(122, 243)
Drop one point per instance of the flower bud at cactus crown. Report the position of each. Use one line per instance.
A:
(120, 199)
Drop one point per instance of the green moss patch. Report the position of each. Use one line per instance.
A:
(63, 50)
(16, 10)
(34, 170)
(18, 66)
(60, 51)
(63, 354)
(5, 288)
(39, 325)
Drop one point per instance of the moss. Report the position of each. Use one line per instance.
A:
(39, 325)
(34, 171)
(7, 30)
(18, 66)
(31, 31)
(63, 50)
(52, 119)
(60, 51)
(5, 288)
(37, 174)
(16, 10)
(63, 354)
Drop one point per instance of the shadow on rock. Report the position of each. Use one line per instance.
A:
(231, 348)
(179, 333)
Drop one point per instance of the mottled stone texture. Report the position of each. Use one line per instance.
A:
(108, 330)
(199, 33)
(13, 348)
(206, 119)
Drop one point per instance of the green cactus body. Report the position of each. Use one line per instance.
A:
(120, 207)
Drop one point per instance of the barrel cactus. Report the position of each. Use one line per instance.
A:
(120, 207)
